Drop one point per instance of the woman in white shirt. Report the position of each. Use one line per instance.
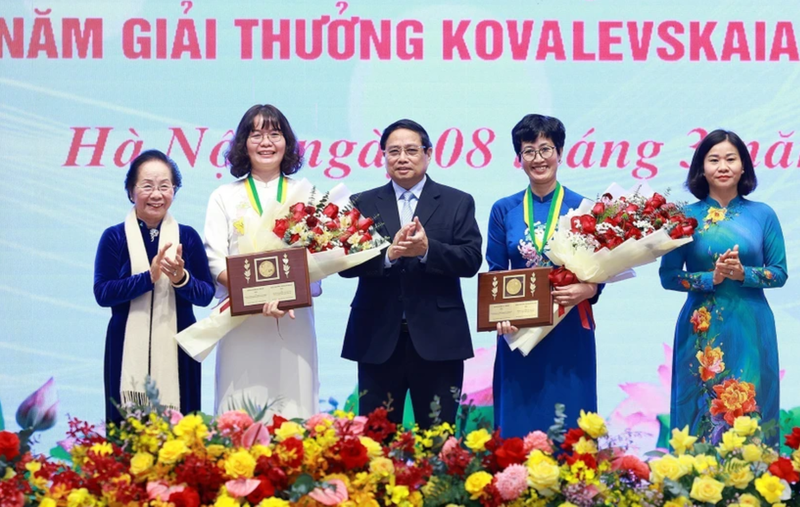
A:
(267, 360)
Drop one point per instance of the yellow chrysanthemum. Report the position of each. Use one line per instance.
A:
(226, 501)
(476, 440)
(80, 498)
(102, 449)
(592, 424)
(240, 465)
(681, 441)
(274, 502)
(374, 449)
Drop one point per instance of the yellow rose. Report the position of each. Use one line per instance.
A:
(289, 429)
(191, 428)
(681, 501)
(740, 477)
(706, 489)
(374, 449)
(274, 502)
(476, 482)
(172, 451)
(748, 500)
(592, 424)
(745, 425)
(47, 502)
(731, 440)
(215, 450)
(681, 441)
(477, 439)
(751, 453)
(80, 498)
(382, 467)
(141, 462)
(770, 487)
(584, 446)
(259, 450)
(240, 465)
(704, 462)
(543, 474)
(668, 467)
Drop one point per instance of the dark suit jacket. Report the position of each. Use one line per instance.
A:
(428, 293)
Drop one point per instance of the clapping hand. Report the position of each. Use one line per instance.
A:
(415, 244)
(155, 266)
(397, 249)
(729, 266)
(173, 268)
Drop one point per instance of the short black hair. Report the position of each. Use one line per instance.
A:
(146, 156)
(532, 126)
(271, 117)
(696, 180)
(408, 125)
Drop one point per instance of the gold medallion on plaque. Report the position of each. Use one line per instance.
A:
(266, 269)
(513, 286)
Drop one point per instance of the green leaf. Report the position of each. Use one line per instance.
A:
(789, 419)
(59, 453)
(663, 433)
(302, 486)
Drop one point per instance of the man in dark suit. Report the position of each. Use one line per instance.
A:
(408, 328)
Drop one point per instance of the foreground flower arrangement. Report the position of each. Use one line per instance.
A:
(158, 457)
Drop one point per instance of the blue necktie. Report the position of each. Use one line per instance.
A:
(407, 211)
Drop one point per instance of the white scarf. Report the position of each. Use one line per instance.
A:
(152, 324)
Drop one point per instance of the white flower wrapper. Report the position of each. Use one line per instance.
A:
(603, 266)
(200, 338)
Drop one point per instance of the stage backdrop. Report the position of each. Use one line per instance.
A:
(84, 85)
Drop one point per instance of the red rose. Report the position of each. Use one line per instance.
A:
(298, 208)
(364, 224)
(634, 465)
(332, 225)
(318, 230)
(264, 490)
(692, 222)
(366, 237)
(331, 210)
(511, 452)
(571, 438)
(631, 208)
(277, 422)
(613, 242)
(587, 459)
(353, 453)
(310, 210)
(658, 200)
(353, 214)
(598, 209)
(294, 238)
(792, 439)
(562, 276)
(378, 427)
(648, 210)
(186, 498)
(281, 225)
(9, 445)
(784, 469)
(312, 221)
(633, 232)
(588, 223)
(609, 197)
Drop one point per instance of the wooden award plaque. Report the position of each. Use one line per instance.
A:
(255, 279)
(521, 296)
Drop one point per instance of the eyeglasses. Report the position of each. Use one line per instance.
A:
(148, 189)
(395, 152)
(529, 155)
(258, 136)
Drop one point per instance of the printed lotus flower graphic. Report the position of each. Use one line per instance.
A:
(38, 411)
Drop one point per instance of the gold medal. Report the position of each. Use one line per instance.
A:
(266, 269)
(513, 287)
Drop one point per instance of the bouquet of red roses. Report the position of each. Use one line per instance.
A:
(324, 226)
(602, 241)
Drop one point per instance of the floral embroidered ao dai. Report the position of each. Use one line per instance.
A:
(725, 361)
